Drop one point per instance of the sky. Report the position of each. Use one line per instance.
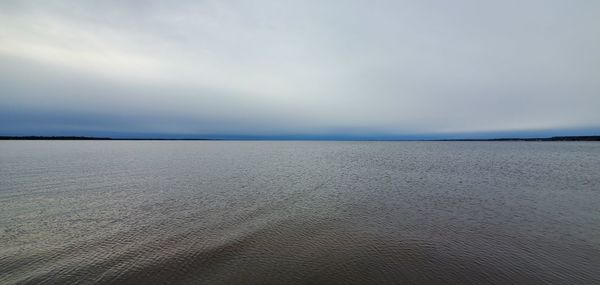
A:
(300, 69)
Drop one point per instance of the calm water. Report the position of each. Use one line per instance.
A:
(225, 212)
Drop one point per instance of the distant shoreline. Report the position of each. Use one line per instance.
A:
(83, 138)
(552, 139)
(555, 138)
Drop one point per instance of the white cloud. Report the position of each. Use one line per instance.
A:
(310, 66)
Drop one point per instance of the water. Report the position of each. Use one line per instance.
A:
(227, 212)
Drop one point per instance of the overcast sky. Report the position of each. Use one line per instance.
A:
(279, 67)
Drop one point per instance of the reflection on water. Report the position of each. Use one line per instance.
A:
(225, 212)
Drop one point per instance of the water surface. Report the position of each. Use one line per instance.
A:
(227, 212)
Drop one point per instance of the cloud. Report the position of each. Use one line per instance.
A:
(299, 67)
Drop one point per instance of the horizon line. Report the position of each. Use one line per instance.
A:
(306, 138)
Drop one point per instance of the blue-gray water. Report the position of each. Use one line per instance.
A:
(227, 212)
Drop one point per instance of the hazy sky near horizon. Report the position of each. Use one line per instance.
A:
(298, 67)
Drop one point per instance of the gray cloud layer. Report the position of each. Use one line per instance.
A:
(277, 67)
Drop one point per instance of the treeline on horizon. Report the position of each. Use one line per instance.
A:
(77, 138)
(560, 138)
(52, 138)
(556, 138)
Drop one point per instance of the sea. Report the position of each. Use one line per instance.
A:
(299, 212)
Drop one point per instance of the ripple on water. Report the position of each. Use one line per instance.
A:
(299, 212)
